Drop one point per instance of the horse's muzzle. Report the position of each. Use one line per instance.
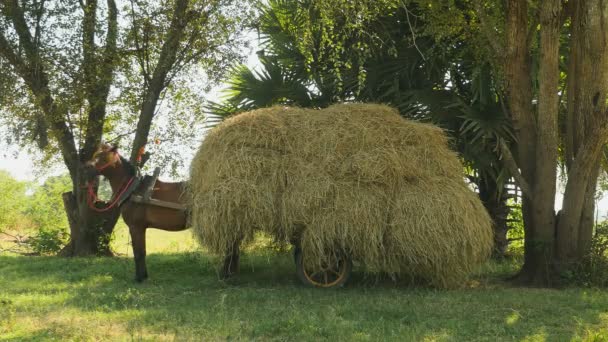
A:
(90, 171)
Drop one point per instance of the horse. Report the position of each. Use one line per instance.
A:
(107, 162)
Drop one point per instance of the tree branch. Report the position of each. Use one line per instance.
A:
(139, 52)
(31, 70)
(88, 45)
(407, 15)
(486, 29)
(166, 62)
(511, 165)
(101, 73)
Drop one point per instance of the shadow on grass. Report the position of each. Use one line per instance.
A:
(185, 299)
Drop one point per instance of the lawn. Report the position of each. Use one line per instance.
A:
(49, 298)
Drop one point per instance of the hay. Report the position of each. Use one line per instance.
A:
(355, 178)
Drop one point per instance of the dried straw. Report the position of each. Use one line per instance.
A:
(354, 178)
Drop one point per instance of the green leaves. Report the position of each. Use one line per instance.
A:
(94, 64)
(12, 201)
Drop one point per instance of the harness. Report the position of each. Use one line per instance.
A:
(118, 198)
(113, 161)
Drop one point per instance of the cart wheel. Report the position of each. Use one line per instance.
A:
(334, 274)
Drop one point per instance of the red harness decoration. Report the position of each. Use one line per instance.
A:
(92, 197)
(108, 164)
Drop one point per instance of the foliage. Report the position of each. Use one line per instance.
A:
(35, 211)
(46, 211)
(12, 201)
(48, 241)
(426, 77)
(89, 70)
(593, 271)
(516, 231)
(46, 205)
(77, 71)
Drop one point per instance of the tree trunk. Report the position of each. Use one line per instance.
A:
(90, 231)
(587, 217)
(537, 134)
(517, 65)
(585, 128)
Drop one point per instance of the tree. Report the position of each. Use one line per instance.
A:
(67, 73)
(391, 62)
(535, 31)
(549, 62)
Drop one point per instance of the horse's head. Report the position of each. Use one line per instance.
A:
(106, 156)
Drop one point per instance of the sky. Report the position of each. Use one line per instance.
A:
(19, 166)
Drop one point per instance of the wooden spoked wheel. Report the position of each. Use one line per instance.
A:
(334, 273)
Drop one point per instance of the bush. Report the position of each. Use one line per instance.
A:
(46, 211)
(48, 241)
(593, 271)
(516, 229)
(35, 210)
(12, 202)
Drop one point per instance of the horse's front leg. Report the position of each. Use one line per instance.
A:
(231, 262)
(138, 240)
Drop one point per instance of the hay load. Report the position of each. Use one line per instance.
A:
(355, 178)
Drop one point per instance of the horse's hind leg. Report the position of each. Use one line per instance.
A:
(138, 240)
(231, 262)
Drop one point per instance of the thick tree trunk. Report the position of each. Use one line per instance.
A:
(581, 182)
(587, 217)
(518, 75)
(537, 134)
(90, 231)
(585, 128)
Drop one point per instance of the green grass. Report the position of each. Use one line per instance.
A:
(49, 298)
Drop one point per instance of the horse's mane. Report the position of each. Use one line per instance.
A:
(130, 168)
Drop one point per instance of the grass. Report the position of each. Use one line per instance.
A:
(92, 299)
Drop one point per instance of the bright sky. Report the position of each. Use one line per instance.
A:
(20, 167)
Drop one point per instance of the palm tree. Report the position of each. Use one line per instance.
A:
(425, 81)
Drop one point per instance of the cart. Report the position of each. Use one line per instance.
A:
(333, 273)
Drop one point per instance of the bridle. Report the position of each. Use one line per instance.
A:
(92, 196)
(112, 161)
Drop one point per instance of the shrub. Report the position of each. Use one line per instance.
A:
(593, 271)
(48, 241)
(516, 229)
(46, 211)
(12, 201)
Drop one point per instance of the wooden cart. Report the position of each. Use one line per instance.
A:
(333, 273)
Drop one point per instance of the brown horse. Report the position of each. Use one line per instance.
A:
(139, 216)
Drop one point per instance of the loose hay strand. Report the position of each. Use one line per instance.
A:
(354, 178)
